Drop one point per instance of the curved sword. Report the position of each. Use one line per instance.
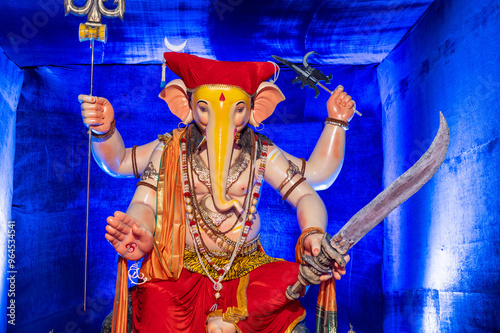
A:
(333, 248)
(395, 194)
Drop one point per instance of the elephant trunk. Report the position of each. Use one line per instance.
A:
(220, 139)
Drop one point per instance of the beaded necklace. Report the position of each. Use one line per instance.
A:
(204, 219)
(250, 208)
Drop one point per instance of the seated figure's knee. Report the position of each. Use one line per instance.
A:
(217, 325)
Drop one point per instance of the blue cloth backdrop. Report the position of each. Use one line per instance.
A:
(50, 189)
(342, 31)
(11, 78)
(433, 266)
(441, 258)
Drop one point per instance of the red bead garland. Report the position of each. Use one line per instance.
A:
(193, 226)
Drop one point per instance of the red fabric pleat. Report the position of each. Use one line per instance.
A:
(183, 305)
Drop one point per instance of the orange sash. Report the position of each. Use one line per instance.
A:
(165, 262)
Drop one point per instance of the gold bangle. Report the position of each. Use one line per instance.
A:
(337, 122)
(109, 133)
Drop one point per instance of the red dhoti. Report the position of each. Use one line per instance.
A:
(255, 302)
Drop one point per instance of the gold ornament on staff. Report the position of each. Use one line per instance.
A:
(92, 30)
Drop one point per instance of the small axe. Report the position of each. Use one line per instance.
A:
(308, 75)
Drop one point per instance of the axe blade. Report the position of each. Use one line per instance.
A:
(308, 75)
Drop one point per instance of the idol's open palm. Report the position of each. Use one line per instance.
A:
(129, 238)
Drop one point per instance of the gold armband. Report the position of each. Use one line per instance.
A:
(290, 173)
(292, 188)
(143, 183)
(303, 171)
(150, 172)
(134, 162)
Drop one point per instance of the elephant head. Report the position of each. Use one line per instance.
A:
(220, 111)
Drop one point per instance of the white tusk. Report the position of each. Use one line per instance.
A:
(175, 48)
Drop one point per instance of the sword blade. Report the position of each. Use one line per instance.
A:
(396, 193)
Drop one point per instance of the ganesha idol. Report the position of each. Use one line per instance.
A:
(194, 217)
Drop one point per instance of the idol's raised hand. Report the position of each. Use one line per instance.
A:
(97, 112)
(340, 105)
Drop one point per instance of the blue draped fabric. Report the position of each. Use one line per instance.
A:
(441, 259)
(433, 266)
(11, 78)
(50, 183)
(343, 31)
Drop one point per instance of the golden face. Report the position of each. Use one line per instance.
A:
(220, 111)
(220, 103)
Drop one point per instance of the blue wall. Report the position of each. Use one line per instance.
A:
(441, 258)
(10, 88)
(50, 183)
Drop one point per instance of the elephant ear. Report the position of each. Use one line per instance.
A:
(175, 94)
(267, 97)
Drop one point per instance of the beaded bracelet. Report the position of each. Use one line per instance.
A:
(109, 133)
(337, 122)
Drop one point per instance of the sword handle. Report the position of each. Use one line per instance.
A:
(331, 92)
(307, 276)
(313, 267)
(293, 292)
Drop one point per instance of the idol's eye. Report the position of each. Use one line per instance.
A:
(202, 106)
(240, 107)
